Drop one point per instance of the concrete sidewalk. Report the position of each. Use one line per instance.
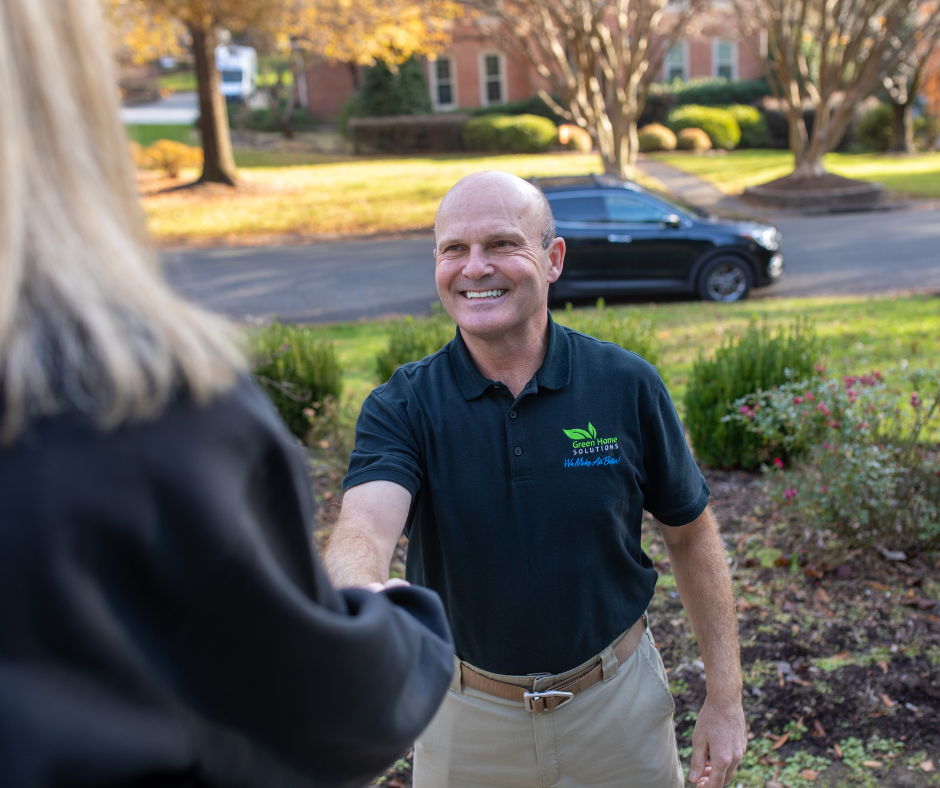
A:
(694, 190)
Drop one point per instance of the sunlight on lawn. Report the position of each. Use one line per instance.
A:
(917, 175)
(857, 334)
(346, 197)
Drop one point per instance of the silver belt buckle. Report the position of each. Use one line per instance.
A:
(528, 697)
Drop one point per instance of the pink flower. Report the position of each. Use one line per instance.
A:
(821, 407)
(778, 462)
(826, 446)
(820, 368)
(825, 489)
(915, 400)
(797, 400)
(809, 396)
(849, 380)
(877, 375)
(835, 425)
(745, 409)
(791, 493)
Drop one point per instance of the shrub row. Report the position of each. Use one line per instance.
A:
(512, 133)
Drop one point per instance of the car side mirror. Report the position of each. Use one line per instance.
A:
(671, 220)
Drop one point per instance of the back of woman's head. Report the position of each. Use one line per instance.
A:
(86, 319)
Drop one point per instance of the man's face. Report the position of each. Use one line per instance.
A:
(492, 273)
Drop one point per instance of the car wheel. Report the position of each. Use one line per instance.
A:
(725, 279)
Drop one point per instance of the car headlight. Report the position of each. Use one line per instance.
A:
(768, 237)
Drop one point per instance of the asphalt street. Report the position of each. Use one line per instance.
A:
(847, 254)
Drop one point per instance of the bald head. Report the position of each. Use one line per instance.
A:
(495, 187)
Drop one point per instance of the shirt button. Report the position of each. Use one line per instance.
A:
(496, 385)
(517, 451)
(512, 414)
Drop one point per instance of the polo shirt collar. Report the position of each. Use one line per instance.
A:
(554, 373)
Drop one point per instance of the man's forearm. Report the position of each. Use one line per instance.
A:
(353, 559)
(700, 567)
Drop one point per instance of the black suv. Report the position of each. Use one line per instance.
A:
(624, 239)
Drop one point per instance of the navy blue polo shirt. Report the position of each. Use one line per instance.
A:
(526, 510)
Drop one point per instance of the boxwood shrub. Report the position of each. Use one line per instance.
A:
(719, 124)
(694, 140)
(655, 137)
(412, 340)
(753, 126)
(509, 133)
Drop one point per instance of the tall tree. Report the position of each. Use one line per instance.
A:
(903, 85)
(832, 54)
(597, 56)
(361, 32)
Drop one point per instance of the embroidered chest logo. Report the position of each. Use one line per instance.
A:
(589, 450)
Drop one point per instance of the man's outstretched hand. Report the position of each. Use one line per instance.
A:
(719, 740)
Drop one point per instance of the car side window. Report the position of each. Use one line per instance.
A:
(588, 209)
(628, 210)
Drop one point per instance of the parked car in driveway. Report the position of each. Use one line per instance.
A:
(623, 239)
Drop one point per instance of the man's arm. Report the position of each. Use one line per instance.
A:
(699, 564)
(363, 541)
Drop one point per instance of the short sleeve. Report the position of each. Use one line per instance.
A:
(386, 446)
(675, 492)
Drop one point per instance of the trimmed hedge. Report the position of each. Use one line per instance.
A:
(655, 137)
(510, 133)
(719, 124)
(530, 106)
(693, 139)
(753, 126)
(707, 91)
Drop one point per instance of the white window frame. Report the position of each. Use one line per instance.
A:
(716, 42)
(685, 62)
(504, 93)
(432, 83)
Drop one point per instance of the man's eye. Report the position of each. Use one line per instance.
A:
(504, 243)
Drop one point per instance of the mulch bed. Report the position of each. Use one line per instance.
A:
(788, 183)
(836, 646)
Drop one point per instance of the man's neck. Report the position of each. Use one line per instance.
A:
(512, 359)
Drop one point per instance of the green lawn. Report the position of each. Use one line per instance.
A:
(917, 174)
(858, 334)
(340, 196)
(147, 134)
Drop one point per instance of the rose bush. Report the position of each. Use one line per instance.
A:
(859, 456)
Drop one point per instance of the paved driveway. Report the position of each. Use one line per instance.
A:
(863, 253)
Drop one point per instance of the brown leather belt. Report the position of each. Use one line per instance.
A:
(557, 694)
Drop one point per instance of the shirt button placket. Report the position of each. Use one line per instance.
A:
(518, 456)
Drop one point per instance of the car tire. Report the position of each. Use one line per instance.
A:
(725, 279)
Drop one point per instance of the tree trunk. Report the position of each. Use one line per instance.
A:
(807, 162)
(218, 160)
(903, 122)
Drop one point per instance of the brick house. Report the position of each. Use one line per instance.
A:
(474, 72)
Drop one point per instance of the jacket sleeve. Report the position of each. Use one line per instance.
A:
(332, 685)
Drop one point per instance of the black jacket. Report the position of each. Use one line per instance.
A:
(164, 621)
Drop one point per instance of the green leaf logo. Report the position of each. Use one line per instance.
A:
(578, 435)
(592, 431)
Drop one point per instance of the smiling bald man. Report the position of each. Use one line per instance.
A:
(518, 460)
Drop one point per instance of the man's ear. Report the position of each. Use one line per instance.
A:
(556, 259)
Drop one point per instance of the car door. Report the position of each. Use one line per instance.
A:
(581, 220)
(643, 245)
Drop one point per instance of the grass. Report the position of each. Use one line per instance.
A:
(146, 134)
(337, 197)
(917, 175)
(858, 334)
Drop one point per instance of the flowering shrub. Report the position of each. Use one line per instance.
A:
(858, 455)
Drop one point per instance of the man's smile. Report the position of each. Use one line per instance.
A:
(477, 294)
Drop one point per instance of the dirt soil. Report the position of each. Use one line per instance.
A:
(823, 182)
(840, 649)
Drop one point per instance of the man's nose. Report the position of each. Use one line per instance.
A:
(477, 265)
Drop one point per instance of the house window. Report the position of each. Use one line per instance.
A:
(493, 82)
(675, 66)
(443, 83)
(724, 58)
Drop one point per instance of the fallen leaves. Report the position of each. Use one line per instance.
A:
(872, 764)
(927, 766)
(809, 774)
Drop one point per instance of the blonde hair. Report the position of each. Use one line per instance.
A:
(86, 318)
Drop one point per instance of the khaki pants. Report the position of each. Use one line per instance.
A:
(618, 733)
